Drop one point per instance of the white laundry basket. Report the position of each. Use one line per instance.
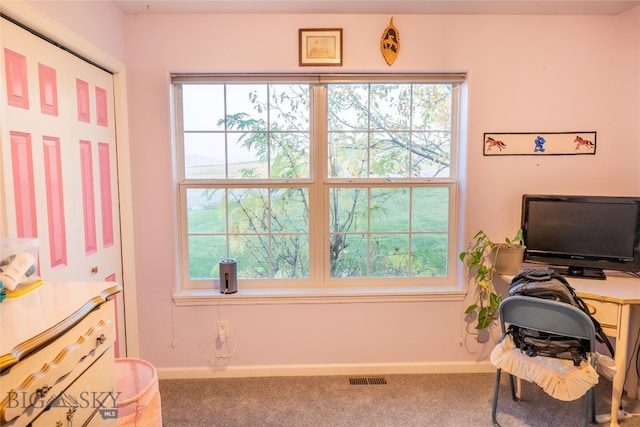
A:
(139, 400)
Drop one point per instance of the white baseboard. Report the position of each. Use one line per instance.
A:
(316, 370)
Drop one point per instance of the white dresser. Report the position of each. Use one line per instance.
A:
(57, 357)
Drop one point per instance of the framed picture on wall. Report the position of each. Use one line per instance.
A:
(320, 46)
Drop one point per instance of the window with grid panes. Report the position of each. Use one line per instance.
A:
(318, 181)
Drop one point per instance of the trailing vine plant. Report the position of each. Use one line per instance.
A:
(479, 258)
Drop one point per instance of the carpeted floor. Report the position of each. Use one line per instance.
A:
(405, 400)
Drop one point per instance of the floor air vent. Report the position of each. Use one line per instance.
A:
(366, 381)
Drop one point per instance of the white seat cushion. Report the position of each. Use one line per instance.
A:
(557, 377)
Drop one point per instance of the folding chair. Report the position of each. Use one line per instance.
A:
(552, 317)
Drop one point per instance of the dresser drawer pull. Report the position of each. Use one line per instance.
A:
(101, 339)
(42, 392)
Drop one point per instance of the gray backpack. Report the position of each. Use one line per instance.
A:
(547, 284)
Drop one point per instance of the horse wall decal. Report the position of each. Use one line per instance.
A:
(494, 143)
(581, 142)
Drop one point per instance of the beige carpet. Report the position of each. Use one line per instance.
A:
(405, 400)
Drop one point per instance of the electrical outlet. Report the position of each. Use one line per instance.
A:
(223, 330)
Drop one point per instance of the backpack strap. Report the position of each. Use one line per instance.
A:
(600, 335)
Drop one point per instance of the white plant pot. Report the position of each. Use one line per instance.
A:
(508, 259)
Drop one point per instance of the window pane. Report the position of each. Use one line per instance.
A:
(429, 255)
(390, 107)
(389, 155)
(431, 149)
(289, 107)
(348, 107)
(206, 211)
(251, 254)
(289, 211)
(205, 252)
(430, 154)
(246, 107)
(348, 255)
(389, 209)
(290, 155)
(389, 255)
(204, 156)
(248, 210)
(432, 107)
(203, 107)
(247, 156)
(349, 209)
(430, 209)
(348, 155)
(290, 256)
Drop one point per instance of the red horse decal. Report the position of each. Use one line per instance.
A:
(493, 143)
(581, 142)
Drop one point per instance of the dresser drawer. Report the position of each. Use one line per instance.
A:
(606, 313)
(46, 373)
(82, 400)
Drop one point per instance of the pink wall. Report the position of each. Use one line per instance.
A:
(99, 22)
(525, 73)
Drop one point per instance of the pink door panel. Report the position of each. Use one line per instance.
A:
(55, 202)
(105, 194)
(16, 71)
(101, 107)
(48, 90)
(23, 187)
(88, 200)
(82, 96)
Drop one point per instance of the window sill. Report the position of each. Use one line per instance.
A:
(317, 296)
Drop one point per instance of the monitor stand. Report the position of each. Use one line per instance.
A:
(582, 272)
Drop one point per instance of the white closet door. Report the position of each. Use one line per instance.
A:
(59, 159)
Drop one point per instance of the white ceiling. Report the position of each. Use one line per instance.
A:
(398, 7)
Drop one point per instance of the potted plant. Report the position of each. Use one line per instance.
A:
(508, 255)
(481, 258)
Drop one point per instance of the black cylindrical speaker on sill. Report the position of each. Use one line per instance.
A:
(228, 276)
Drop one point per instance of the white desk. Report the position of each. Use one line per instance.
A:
(611, 302)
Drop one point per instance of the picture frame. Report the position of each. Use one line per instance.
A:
(320, 46)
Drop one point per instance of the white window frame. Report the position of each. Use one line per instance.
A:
(319, 282)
